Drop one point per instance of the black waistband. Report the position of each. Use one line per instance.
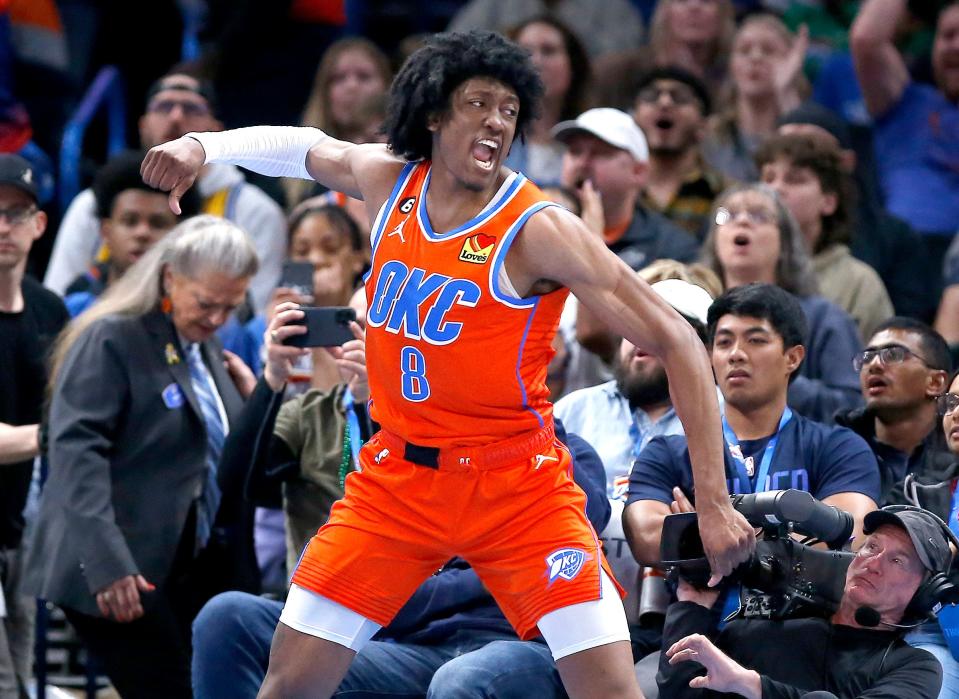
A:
(422, 456)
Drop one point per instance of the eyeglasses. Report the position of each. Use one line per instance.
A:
(947, 403)
(680, 96)
(890, 354)
(190, 109)
(755, 216)
(16, 215)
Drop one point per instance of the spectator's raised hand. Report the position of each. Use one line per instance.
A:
(787, 69)
(279, 357)
(592, 208)
(173, 167)
(281, 295)
(351, 361)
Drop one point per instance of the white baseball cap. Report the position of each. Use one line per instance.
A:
(613, 126)
(689, 299)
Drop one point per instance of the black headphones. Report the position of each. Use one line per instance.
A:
(937, 588)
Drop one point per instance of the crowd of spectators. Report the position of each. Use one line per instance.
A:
(784, 174)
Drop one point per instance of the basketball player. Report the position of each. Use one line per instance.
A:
(470, 270)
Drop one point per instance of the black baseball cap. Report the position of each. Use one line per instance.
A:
(179, 80)
(18, 172)
(923, 528)
(823, 117)
(681, 76)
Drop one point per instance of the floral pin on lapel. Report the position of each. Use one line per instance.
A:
(172, 357)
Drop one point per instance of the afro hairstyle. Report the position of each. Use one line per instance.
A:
(429, 77)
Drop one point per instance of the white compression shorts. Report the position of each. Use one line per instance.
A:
(277, 151)
(315, 615)
(567, 630)
(586, 625)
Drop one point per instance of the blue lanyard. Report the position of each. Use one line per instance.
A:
(353, 423)
(635, 437)
(732, 443)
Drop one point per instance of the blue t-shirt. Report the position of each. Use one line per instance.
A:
(917, 153)
(820, 459)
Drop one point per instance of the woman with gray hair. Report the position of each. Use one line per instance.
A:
(137, 527)
(753, 238)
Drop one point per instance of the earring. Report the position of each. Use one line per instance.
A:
(166, 304)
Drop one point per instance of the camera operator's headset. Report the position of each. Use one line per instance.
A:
(937, 588)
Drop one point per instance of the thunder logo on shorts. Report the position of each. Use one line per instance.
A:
(565, 564)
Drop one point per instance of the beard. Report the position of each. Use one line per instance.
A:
(642, 388)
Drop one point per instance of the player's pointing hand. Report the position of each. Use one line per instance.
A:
(173, 167)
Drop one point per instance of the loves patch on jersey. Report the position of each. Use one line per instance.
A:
(477, 248)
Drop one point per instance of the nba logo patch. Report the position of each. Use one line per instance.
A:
(477, 248)
(565, 564)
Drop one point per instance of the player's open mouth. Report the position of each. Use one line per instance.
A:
(484, 152)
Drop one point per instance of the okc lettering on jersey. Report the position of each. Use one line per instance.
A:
(402, 293)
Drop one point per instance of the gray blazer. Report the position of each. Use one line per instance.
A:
(127, 454)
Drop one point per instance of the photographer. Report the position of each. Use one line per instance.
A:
(895, 579)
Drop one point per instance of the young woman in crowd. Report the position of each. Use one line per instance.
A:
(695, 35)
(754, 238)
(564, 68)
(765, 81)
(352, 74)
(327, 237)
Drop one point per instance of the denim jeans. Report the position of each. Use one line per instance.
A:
(930, 637)
(231, 648)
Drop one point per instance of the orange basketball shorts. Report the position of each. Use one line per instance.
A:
(520, 522)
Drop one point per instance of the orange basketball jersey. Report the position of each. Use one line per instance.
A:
(455, 358)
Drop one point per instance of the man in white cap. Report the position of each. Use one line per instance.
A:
(606, 148)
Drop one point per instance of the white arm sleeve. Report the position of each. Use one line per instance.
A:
(277, 151)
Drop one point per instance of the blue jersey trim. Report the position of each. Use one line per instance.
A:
(519, 361)
(491, 209)
(500, 257)
(376, 232)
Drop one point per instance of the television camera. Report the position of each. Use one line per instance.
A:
(786, 576)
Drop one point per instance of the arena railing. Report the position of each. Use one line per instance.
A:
(105, 92)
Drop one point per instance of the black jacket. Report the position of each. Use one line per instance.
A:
(933, 466)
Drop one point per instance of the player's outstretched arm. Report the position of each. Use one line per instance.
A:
(362, 171)
(556, 246)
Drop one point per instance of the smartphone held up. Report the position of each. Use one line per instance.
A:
(327, 326)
